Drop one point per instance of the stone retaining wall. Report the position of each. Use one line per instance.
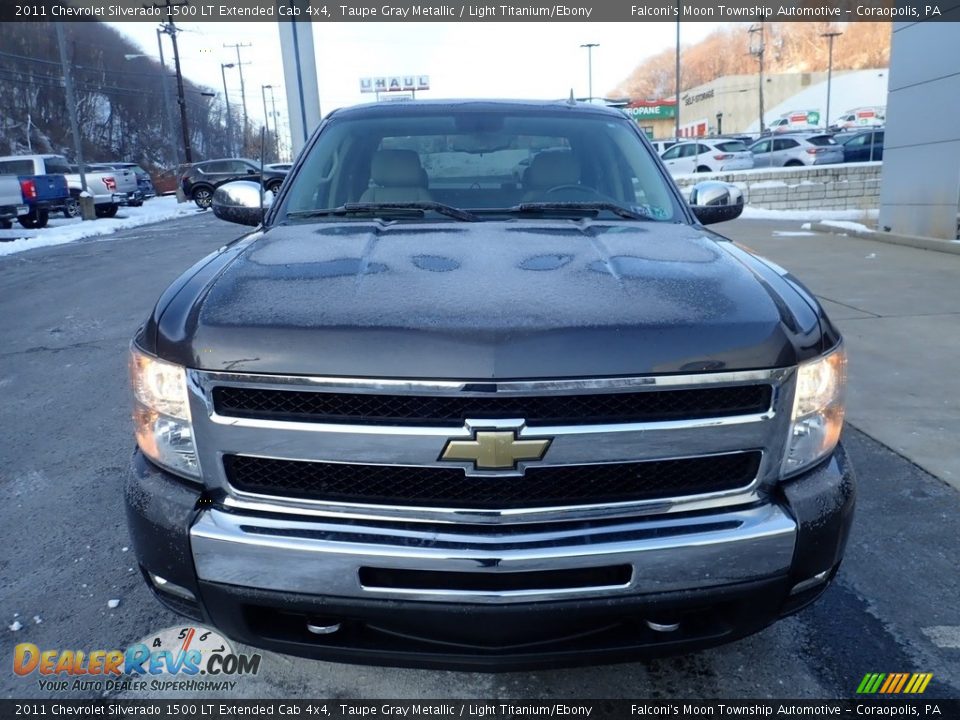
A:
(825, 187)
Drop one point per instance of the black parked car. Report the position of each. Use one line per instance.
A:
(862, 146)
(202, 178)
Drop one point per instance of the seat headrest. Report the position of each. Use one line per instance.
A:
(549, 169)
(396, 168)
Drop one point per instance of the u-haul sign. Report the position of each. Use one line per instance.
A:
(394, 83)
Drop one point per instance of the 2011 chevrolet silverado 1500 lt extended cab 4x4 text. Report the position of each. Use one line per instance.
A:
(481, 391)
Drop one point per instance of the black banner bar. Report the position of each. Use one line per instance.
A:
(189, 709)
(494, 11)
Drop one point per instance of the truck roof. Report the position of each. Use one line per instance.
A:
(415, 107)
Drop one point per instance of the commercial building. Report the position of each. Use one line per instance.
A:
(731, 104)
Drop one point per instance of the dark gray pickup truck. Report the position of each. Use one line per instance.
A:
(481, 391)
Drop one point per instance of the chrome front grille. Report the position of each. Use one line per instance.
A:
(372, 449)
(453, 488)
(455, 410)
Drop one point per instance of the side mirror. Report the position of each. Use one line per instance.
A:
(713, 201)
(239, 202)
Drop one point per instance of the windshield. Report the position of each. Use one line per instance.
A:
(489, 163)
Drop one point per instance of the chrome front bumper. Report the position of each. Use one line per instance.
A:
(314, 557)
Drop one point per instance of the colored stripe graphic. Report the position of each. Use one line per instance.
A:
(894, 683)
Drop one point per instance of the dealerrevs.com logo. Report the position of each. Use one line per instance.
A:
(179, 658)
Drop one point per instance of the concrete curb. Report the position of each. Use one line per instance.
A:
(923, 243)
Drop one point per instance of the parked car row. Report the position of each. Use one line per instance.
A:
(48, 183)
(794, 149)
(198, 181)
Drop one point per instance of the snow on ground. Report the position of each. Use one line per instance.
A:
(755, 213)
(847, 225)
(61, 230)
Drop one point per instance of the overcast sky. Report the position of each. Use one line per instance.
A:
(511, 60)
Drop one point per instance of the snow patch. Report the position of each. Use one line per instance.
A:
(755, 213)
(113, 603)
(847, 225)
(60, 230)
(15, 625)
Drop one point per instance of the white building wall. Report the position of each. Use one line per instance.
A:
(920, 188)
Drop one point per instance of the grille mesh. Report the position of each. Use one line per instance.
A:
(359, 408)
(451, 487)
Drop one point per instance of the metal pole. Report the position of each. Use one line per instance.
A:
(168, 106)
(276, 126)
(266, 118)
(759, 53)
(226, 99)
(71, 103)
(676, 109)
(590, 47)
(829, 36)
(243, 95)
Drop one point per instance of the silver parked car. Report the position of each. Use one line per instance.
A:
(707, 155)
(796, 149)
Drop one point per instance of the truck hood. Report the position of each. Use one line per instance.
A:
(516, 299)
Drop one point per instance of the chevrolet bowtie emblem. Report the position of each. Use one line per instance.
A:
(495, 450)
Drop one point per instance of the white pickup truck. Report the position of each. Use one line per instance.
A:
(12, 205)
(110, 188)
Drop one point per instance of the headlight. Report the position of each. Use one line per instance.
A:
(161, 414)
(817, 411)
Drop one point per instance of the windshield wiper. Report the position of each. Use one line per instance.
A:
(578, 209)
(399, 208)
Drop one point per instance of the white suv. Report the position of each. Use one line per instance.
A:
(707, 155)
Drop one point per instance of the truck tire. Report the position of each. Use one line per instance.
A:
(274, 186)
(35, 219)
(106, 211)
(6, 224)
(203, 197)
(72, 207)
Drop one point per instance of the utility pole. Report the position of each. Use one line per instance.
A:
(758, 51)
(226, 99)
(71, 108)
(243, 94)
(829, 36)
(170, 29)
(166, 99)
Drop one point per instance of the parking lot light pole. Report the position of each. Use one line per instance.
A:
(590, 47)
(757, 49)
(676, 108)
(829, 36)
(226, 99)
(266, 116)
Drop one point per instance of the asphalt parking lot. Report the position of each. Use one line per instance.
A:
(67, 314)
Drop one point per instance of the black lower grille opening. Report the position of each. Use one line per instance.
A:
(452, 411)
(571, 578)
(451, 487)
